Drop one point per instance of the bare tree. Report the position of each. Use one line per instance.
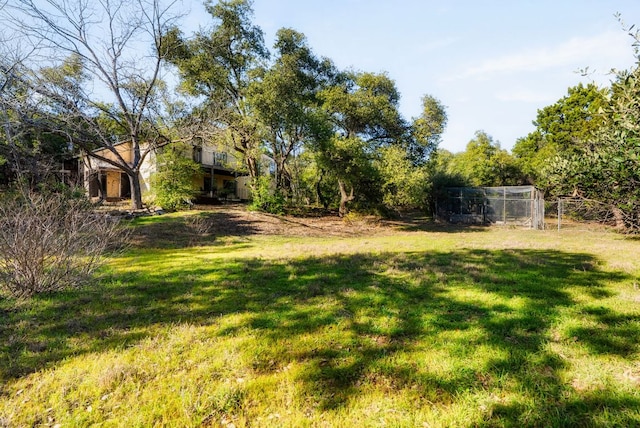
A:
(100, 86)
(50, 241)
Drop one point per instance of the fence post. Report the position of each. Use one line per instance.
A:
(559, 213)
(504, 206)
(533, 210)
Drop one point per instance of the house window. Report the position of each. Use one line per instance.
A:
(220, 158)
(207, 183)
(98, 185)
(197, 154)
(125, 186)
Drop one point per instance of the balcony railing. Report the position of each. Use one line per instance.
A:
(210, 157)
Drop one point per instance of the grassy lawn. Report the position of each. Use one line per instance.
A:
(411, 328)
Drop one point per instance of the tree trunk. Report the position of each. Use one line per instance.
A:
(252, 166)
(344, 198)
(102, 195)
(280, 174)
(283, 179)
(321, 200)
(136, 191)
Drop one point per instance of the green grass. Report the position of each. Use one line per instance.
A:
(449, 327)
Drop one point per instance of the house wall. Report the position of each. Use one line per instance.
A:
(147, 168)
(198, 182)
(220, 180)
(212, 156)
(124, 150)
(113, 184)
(243, 190)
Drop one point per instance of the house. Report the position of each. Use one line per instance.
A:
(104, 180)
(222, 175)
(222, 178)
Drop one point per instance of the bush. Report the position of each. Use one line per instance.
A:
(173, 184)
(51, 241)
(265, 197)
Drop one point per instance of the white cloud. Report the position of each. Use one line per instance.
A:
(606, 49)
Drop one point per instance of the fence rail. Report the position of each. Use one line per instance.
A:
(507, 205)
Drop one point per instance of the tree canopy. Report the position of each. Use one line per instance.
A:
(485, 163)
(562, 128)
(217, 66)
(334, 134)
(607, 167)
(587, 145)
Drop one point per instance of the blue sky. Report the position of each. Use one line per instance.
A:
(492, 63)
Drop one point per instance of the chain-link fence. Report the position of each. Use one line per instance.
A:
(572, 213)
(508, 205)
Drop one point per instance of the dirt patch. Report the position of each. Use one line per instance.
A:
(206, 224)
(237, 220)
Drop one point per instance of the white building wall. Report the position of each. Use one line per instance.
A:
(147, 168)
(243, 189)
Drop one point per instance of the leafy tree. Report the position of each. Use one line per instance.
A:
(285, 101)
(443, 162)
(9, 66)
(172, 185)
(219, 65)
(266, 197)
(427, 130)
(561, 128)
(484, 163)
(606, 167)
(28, 153)
(404, 168)
(443, 174)
(97, 72)
(314, 184)
(403, 184)
(363, 111)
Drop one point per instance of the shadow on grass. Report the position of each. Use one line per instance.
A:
(608, 332)
(198, 229)
(438, 227)
(387, 308)
(417, 221)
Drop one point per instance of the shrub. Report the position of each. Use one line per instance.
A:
(50, 241)
(265, 197)
(172, 185)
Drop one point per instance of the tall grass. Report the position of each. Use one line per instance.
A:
(480, 327)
